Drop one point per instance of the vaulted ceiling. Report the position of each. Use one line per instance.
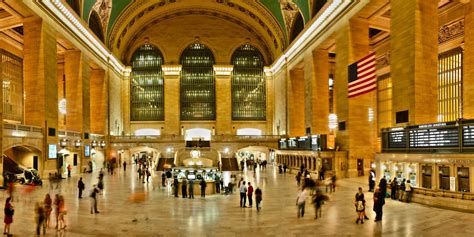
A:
(125, 22)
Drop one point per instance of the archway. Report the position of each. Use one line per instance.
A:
(21, 157)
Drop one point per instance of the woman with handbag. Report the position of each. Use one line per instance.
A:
(9, 211)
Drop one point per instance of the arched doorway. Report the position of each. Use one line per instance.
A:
(16, 159)
(198, 133)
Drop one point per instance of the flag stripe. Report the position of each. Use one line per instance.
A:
(362, 76)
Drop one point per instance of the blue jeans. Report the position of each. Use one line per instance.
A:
(301, 209)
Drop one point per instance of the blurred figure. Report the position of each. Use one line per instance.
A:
(9, 211)
(48, 203)
(184, 188)
(148, 174)
(80, 186)
(243, 192)
(93, 196)
(203, 188)
(56, 209)
(333, 187)
(163, 179)
(383, 186)
(62, 213)
(250, 194)
(301, 202)
(69, 168)
(407, 191)
(258, 198)
(394, 187)
(40, 218)
(191, 189)
(318, 201)
(124, 167)
(379, 201)
(360, 206)
(175, 186)
(401, 196)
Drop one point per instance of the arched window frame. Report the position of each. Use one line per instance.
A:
(197, 84)
(297, 27)
(147, 84)
(248, 80)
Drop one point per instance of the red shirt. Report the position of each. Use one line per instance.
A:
(250, 190)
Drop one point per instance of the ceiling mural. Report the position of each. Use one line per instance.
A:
(273, 6)
(290, 10)
(103, 9)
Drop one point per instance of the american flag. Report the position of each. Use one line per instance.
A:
(362, 78)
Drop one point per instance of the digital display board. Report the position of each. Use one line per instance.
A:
(52, 151)
(468, 135)
(313, 142)
(292, 143)
(304, 143)
(434, 137)
(397, 138)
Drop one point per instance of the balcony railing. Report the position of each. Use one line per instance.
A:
(180, 138)
(20, 130)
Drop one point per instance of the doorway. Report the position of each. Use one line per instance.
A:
(360, 167)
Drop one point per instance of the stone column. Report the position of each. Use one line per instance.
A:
(40, 82)
(223, 99)
(77, 70)
(172, 99)
(414, 57)
(468, 67)
(296, 97)
(316, 74)
(125, 94)
(98, 103)
(358, 138)
(270, 97)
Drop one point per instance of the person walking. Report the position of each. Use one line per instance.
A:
(184, 188)
(40, 218)
(93, 197)
(163, 179)
(48, 203)
(360, 206)
(218, 184)
(402, 194)
(80, 186)
(191, 189)
(56, 209)
(298, 178)
(8, 220)
(301, 202)
(379, 201)
(371, 182)
(175, 186)
(62, 212)
(333, 183)
(383, 186)
(203, 188)
(258, 199)
(243, 194)
(318, 201)
(69, 168)
(250, 194)
(124, 167)
(148, 174)
(407, 191)
(394, 187)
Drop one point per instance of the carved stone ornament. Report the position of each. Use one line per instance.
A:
(450, 31)
(383, 61)
(103, 9)
(290, 10)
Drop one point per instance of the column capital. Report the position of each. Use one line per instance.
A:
(171, 70)
(223, 70)
(127, 73)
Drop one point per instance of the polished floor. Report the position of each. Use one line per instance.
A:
(163, 215)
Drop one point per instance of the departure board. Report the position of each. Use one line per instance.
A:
(397, 138)
(434, 137)
(468, 135)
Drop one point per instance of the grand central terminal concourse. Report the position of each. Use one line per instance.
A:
(237, 117)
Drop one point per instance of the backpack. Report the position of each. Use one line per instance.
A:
(360, 206)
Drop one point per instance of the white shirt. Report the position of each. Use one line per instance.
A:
(243, 188)
(301, 198)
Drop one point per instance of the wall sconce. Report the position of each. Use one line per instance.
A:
(63, 143)
(94, 144)
(77, 143)
(102, 144)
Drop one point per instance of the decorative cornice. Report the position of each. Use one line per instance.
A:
(171, 70)
(223, 70)
(383, 61)
(451, 30)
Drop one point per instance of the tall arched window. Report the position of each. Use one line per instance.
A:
(248, 85)
(146, 85)
(297, 27)
(96, 26)
(198, 97)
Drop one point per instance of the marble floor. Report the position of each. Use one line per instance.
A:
(163, 215)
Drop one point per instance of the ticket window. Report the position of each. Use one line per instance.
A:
(427, 171)
(411, 170)
(463, 179)
(399, 173)
(388, 174)
(444, 178)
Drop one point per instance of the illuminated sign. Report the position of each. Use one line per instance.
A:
(52, 151)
